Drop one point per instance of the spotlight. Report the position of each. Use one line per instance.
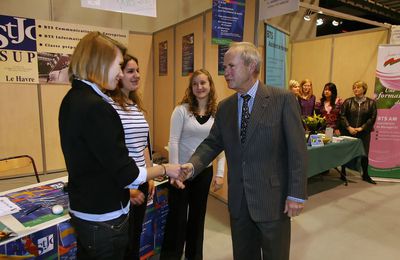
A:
(335, 23)
(307, 16)
(320, 21)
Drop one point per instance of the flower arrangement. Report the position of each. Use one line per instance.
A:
(315, 123)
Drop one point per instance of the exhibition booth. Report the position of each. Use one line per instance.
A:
(29, 122)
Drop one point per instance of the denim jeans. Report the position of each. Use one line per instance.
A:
(101, 240)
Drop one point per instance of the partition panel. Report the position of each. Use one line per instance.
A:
(140, 46)
(312, 60)
(194, 26)
(163, 91)
(355, 58)
(19, 122)
(52, 95)
(211, 62)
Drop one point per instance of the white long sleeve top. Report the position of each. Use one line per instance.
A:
(186, 134)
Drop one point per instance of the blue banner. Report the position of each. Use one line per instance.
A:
(227, 21)
(276, 48)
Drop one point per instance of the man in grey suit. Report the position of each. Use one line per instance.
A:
(260, 130)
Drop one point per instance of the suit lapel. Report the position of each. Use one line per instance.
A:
(233, 124)
(261, 101)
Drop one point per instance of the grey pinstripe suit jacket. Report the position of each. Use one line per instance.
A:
(271, 164)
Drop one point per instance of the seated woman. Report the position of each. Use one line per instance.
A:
(329, 107)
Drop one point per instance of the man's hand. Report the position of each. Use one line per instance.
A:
(137, 197)
(217, 183)
(293, 208)
(174, 171)
(187, 170)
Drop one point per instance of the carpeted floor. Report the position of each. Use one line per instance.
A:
(355, 222)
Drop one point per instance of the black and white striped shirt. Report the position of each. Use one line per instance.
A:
(136, 131)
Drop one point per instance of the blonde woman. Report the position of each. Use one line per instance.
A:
(358, 116)
(294, 87)
(307, 98)
(100, 171)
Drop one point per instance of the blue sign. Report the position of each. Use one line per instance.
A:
(17, 33)
(227, 21)
(276, 43)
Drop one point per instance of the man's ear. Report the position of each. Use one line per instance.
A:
(252, 67)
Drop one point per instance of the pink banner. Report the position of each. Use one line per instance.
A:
(384, 155)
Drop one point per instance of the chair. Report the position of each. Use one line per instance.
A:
(17, 162)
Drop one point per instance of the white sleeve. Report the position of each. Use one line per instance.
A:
(175, 131)
(220, 165)
(142, 177)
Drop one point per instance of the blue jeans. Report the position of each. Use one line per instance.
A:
(101, 240)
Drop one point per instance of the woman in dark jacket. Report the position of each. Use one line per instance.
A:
(358, 115)
(100, 171)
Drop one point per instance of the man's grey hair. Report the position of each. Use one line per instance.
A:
(248, 53)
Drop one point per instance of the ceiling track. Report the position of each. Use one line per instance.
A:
(333, 13)
(380, 7)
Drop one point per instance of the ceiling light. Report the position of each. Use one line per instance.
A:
(320, 21)
(307, 15)
(335, 23)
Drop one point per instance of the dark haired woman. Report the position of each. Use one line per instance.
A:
(128, 104)
(191, 122)
(329, 107)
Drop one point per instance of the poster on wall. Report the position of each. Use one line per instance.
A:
(384, 155)
(187, 54)
(227, 21)
(276, 55)
(56, 42)
(39, 51)
(222, 49)
(163, 58)
(18, 53)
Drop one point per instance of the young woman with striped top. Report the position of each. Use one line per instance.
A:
(127, 103)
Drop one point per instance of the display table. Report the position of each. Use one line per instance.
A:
(39, 234)
(331, 155)
(43, 235)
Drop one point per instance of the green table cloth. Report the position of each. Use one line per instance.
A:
(331, 155)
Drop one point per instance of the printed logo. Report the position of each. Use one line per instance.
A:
(391, 61)
(17, 33)
(46, 244)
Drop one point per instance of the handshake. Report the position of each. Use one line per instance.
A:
(178, 173)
